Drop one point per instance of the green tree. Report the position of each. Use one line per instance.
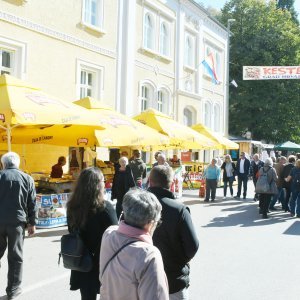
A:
(289, 5)
(263, 36)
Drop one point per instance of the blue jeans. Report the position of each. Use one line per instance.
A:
(230, 181)
(280, 196)
(295, 202)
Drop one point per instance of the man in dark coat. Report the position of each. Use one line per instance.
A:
(288, 184)
(138, 167)
(17, 209)
(242, 169)
(175, 237)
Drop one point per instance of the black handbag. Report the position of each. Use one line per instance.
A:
(74, 253)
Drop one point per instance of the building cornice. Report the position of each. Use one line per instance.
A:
(154, 68)
(24, 23)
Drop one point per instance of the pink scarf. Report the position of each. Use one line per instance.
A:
(134, 232)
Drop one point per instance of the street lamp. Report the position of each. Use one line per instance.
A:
(229, 21)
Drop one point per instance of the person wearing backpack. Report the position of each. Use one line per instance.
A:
(266, 186)
(295, 187)
(91, 215)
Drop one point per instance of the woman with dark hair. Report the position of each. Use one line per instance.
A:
(88, 212)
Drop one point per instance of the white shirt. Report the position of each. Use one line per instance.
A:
(242, 161)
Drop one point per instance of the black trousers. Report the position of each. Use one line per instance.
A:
(88, 294)
(264, 201)
(211, 187)
(242, 179)
(12, 238)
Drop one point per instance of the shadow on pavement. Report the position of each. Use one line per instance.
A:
(192, 202)
(51, 233)
(247, 215)
(3, 297)
(294, 229)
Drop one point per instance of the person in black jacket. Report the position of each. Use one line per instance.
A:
(255, 165)
(88, 212)
(288, 184)
(122, 182)
(176, 237)
(17, 209)
(242, 170)
(229, 171)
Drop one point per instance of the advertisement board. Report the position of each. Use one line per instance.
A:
(271, 72)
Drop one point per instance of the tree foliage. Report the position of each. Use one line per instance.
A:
(289, 5)
(263, 35)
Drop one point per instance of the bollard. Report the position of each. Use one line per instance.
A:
(202, 188)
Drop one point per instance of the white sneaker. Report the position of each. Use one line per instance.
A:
(224, 198)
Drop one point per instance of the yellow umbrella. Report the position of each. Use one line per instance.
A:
(181, 137)
(24, 105)
(223, 143)
(121, 130)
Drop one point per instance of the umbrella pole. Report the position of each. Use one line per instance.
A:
(8, 133)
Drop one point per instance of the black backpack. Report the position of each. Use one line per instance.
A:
(75, 254)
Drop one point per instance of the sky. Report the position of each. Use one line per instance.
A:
(220, 3)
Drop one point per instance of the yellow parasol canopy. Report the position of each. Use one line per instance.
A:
(223, 143)
(181, 137)
(121, 130)
(23, 106)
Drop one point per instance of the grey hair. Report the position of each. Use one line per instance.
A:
(10, 160)
(123, 158)
(140, 208)
(161, 176)
(269, 162)
(215, 160)
(161, 155)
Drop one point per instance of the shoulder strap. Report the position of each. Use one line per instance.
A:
(115, 254)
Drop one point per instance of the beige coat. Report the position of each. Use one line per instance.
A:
(136, 273)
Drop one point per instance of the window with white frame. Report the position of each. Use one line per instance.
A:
(6, 61)
(149, 31)
(163, 101)
(213, 58)
(207, 114)
(93, 13)
(164, 39)
(90, 81)
(187, 117)
(217, 116)
(145, 96)
(189, 50)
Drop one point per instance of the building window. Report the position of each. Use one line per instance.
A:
(207, 114)
(164, 40)
(90, 80)
(189, 85)
(93, 12)
(217, 116)
(189, 49)
(148, 32)
(163, 101)
(187, 117)
(6, 61)
(213, 58)
(145, 97)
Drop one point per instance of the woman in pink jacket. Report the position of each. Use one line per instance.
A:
(131, 268)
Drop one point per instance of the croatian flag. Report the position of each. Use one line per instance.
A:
(209, 65)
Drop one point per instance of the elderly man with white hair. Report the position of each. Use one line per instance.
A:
(17, 209)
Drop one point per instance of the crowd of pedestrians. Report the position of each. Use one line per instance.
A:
(145, 255)
(281, 177)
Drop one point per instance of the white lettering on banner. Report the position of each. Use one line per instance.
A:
(272, 72)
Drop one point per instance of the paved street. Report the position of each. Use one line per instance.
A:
(241, 256)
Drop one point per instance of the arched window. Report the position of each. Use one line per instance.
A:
(164, 40)
(207, 114)
(188, 51)
(218, 66)
(217, 118)
(145, 97)
(187, 117)
(148, 32)
(163, 99)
